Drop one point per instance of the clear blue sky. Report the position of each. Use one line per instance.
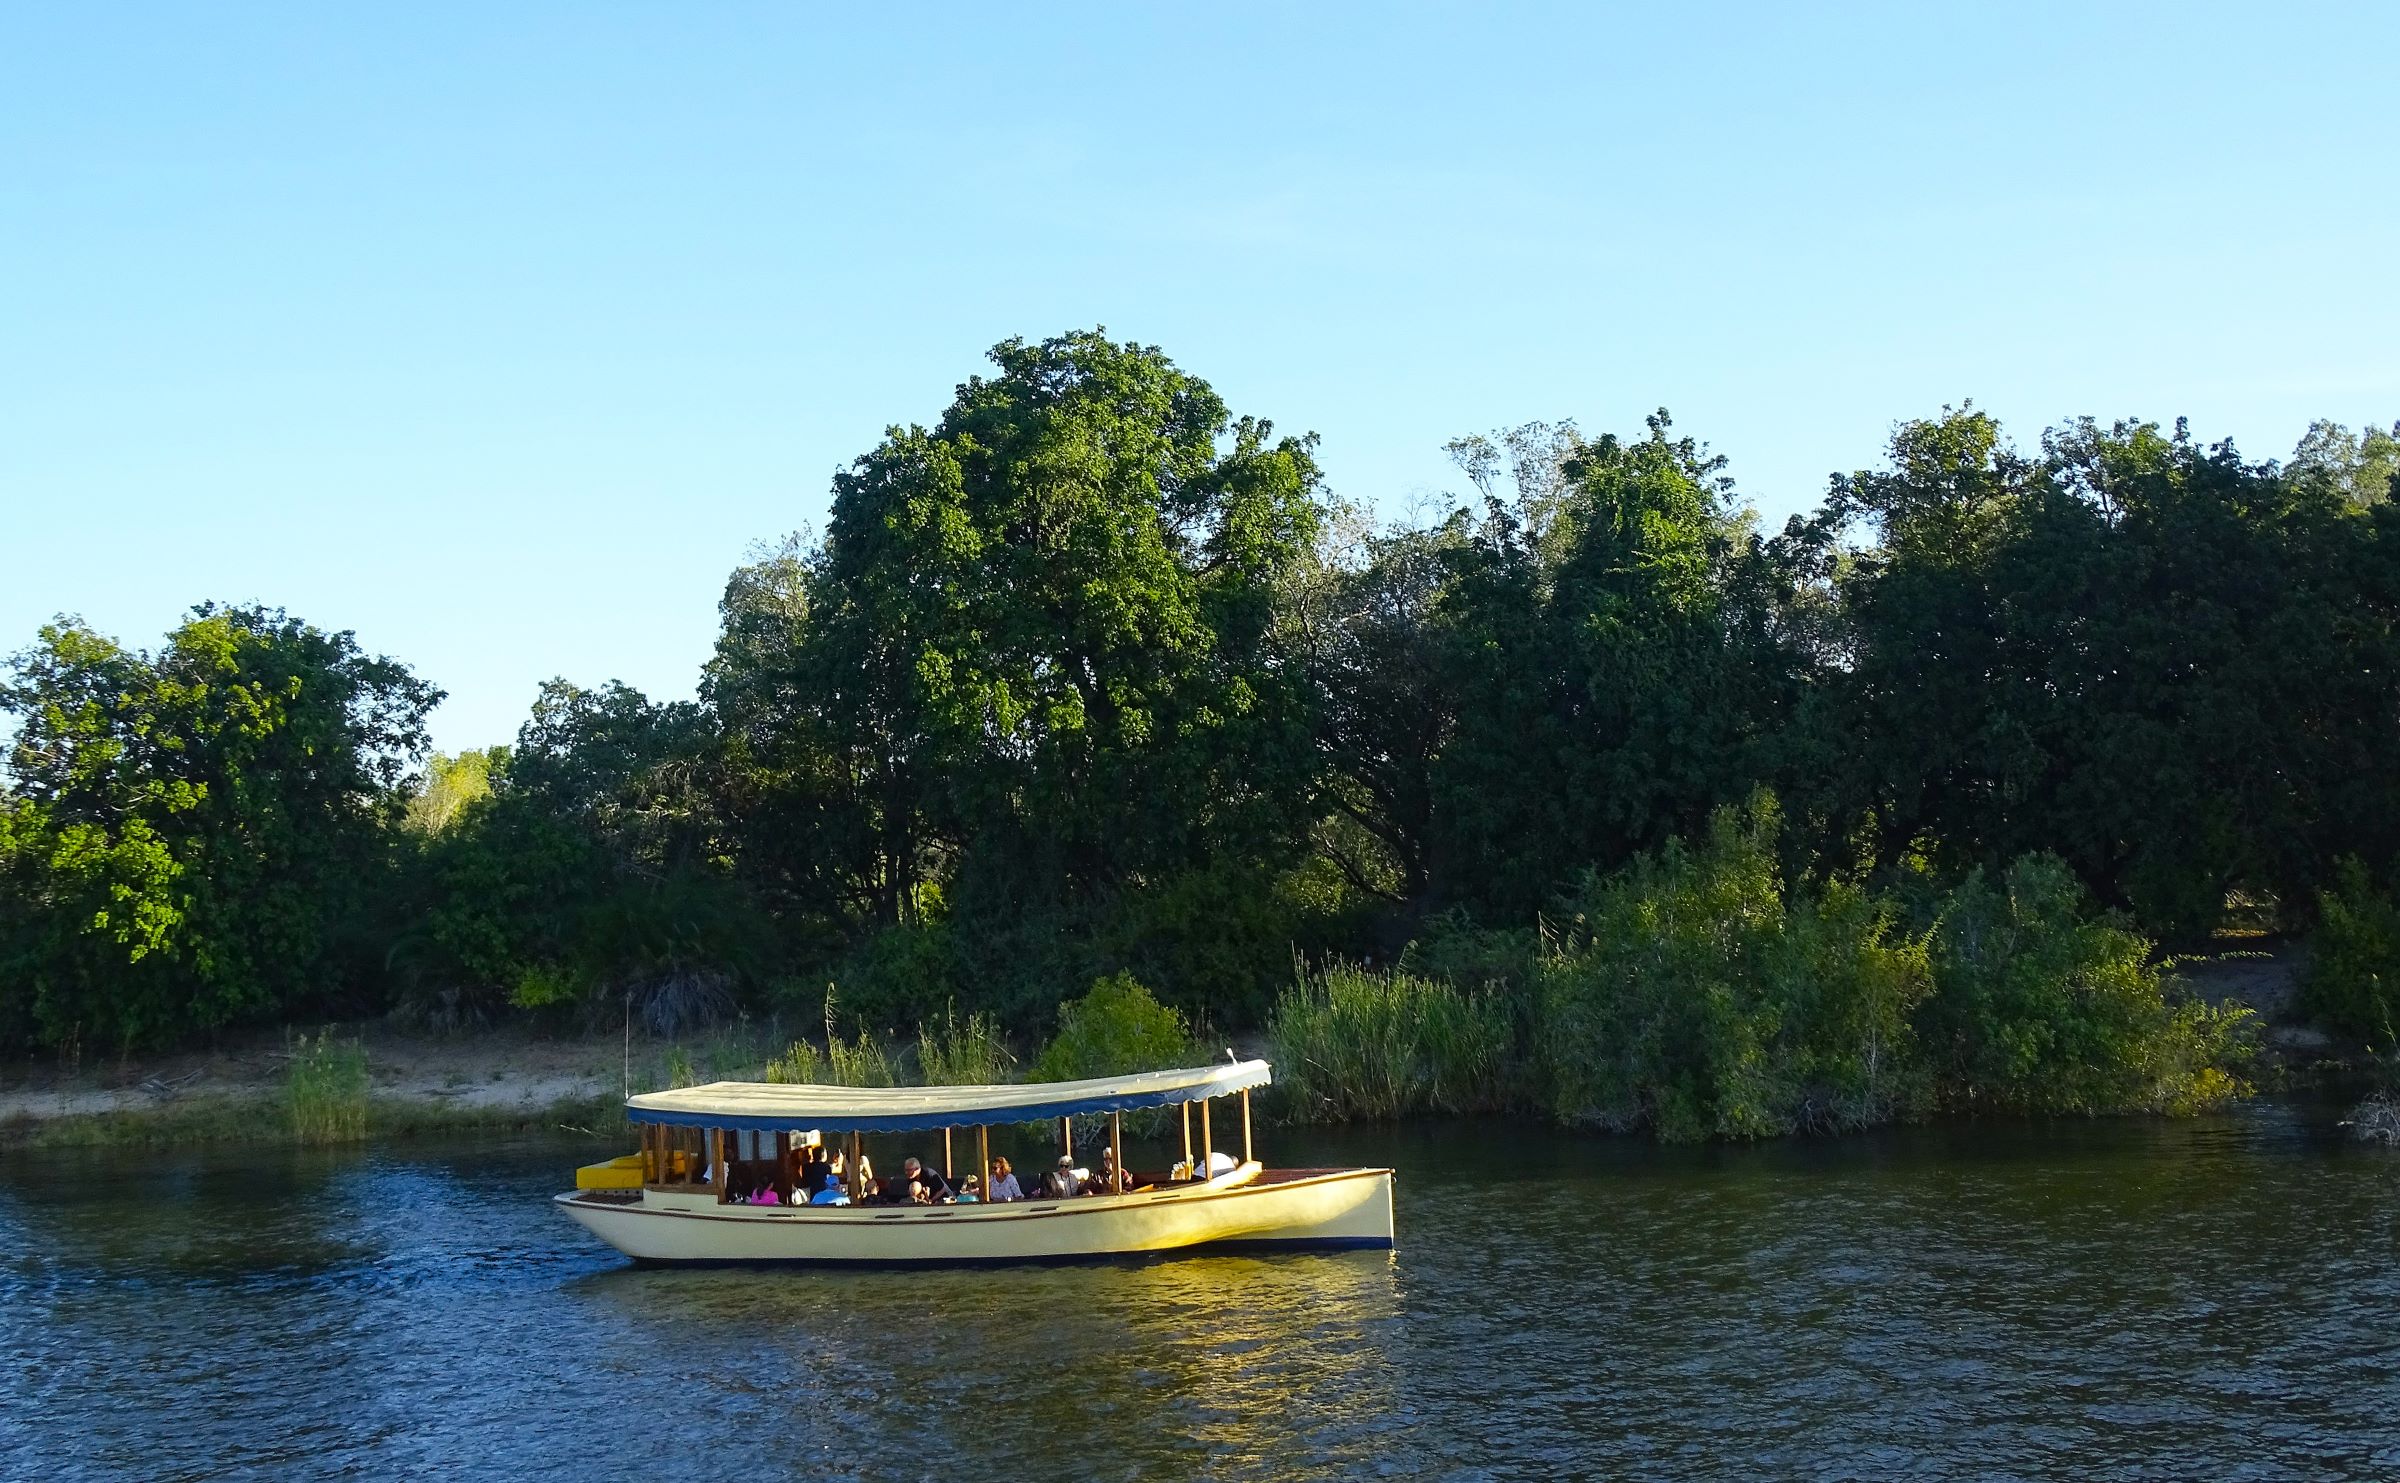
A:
(497, 333)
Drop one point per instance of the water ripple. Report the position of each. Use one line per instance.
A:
(2132, 1300)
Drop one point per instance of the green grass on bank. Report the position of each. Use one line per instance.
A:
(270, 1120)
(327, 1090)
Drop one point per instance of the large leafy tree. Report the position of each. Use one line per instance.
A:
(1386, 703)
(1921, 748)
(803, 792)
(2170, 666)
(194, 837)
(1626, 658)
(1044, 629)
(2359, 468)
(1389, 625)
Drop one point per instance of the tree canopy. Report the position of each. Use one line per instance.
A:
(189, 836)
(1092, 676)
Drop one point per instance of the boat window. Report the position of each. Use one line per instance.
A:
(673, 1156)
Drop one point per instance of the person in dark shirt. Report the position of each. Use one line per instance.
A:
(816, 1172)
(923, 1185)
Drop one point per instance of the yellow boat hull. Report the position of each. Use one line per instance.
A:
(1245, 1208)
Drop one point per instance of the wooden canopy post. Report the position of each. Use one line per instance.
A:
(1245, 1125)
(1208, 1144)
(716, 1161)
(1066, 1134)
(783, 1167)
(949, 1169)
(858, 1178)
(1186, 1109)
(983, 1162)
(1116, 1151)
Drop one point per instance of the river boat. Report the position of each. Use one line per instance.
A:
(678, 1200)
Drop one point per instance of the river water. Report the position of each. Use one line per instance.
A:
(2135, 1299)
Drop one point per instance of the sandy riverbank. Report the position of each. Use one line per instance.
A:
(507, 1077)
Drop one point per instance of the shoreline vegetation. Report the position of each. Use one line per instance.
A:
(1351, 1045)
(1096, 728)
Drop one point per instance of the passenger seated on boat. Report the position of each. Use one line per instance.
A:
(1004, 1182)
(970, 1191)
(1108, 1179)
(921, 1185)
(766, 1196)
(1061, 1182)
(816, 1173)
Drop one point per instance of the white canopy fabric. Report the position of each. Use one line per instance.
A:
(759, 1104)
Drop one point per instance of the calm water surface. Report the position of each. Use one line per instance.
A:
(2128, 1300)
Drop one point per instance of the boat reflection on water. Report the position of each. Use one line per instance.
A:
(1167, 1365)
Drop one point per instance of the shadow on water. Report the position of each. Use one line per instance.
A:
(2136, 1298)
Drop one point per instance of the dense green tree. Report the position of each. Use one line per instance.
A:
(196, 837)
(596, 867)
(2358, 467)
(1052, 613)
(450, 784)
(1624, 660)
(1925, 641)
(1369, 620)
(802, 794)
(1091, 677)
(1037, 668)
(2171, 667)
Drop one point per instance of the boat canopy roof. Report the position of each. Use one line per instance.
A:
(771, 1105)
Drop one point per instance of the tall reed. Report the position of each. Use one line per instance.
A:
(968, 1052)
(1354, 1043)
(327, 1090)
(864, 1060)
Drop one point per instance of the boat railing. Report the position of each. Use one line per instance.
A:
(689, 1159)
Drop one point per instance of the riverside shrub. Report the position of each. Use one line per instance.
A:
(2039, 1006)
(2354, 973)
(1697, 994)
(1352, 1043)
(1115, 1029)
(1691, 994)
